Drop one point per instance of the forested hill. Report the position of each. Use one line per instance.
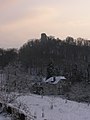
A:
(38, 52)
(69, 55)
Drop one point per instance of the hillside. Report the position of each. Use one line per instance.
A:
(52, 108)
(80, 92)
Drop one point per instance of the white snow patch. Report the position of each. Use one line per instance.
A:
(62, 109)
(54, 80)
(4, 117)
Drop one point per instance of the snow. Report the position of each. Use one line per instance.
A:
(57, 79)
(2, 77)
(4, 118)
(62, 109)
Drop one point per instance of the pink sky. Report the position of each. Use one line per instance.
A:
(21, 20)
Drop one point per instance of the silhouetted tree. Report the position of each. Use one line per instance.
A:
(50, 70)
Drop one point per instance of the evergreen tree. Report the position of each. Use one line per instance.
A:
(50, 70)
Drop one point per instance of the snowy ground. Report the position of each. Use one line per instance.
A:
(35, 105)
(62, 109)
(4, 118)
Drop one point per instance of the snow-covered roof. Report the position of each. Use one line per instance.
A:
(55, 79)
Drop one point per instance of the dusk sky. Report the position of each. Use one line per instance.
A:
(21, 20)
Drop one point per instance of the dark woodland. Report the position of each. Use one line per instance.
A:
(70, 57)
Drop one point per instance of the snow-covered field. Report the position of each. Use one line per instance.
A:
(4, 118)
(50, 108)
(62, 109)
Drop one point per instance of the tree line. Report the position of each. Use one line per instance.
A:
(71, 57)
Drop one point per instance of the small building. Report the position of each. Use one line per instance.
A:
(54, 85)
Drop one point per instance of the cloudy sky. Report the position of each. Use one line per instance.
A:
(21, 20)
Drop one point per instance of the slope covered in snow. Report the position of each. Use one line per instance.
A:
(4, 118)
(54, 108)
